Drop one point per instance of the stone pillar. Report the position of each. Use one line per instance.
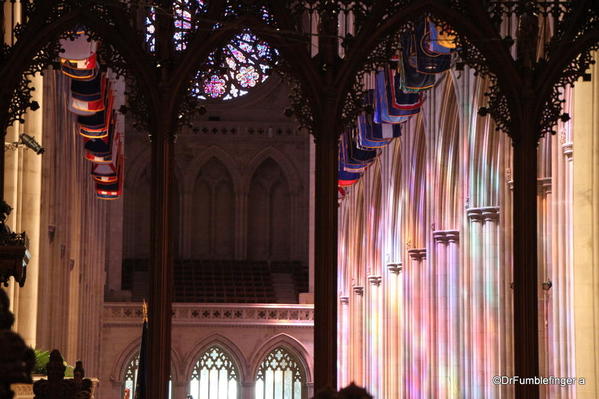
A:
(392, 332)
(325, 258)
(474, 326)
(344, 341)
(357, 335)
(453, 312)
(161, 268)
(29, 210)
(585, 205)
(442, 314)
(417, 361)
(374, 368)
(491, 299)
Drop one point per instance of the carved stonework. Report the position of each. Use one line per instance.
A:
(417, 254)
(474, 214)
(490, 213)
(375, 280)
(568, 150)
(446, 236)
(344, 300)
(544, 185)
(358, 290)
(395, 268)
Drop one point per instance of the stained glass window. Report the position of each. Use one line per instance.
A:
(214, 376)
(229, 72)
(232, 71)
(280, 376)
(130, 380)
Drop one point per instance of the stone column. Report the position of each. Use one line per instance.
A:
(392, 332)
(344, 341)
(453, 312)
(442, 314)
(248, 389)
(357, 335)
(417, 330)
(29, 210)
(491, 299)
(374, 354)
(585, 241)
(474, 326)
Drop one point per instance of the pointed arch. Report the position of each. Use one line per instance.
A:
(226, 345)
(128, 354)
(220, 155)
(37, 33)
(284, 163)
(293, 345)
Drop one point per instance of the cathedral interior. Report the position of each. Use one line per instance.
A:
(293, 199)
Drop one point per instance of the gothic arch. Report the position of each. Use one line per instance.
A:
(288, 342)
(222, 342)
(37, 33)
(142, 163)
(282, 161)
(292, 51)
(497, 62)
(220, 155)
(132, 349)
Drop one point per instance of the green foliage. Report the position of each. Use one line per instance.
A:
(41, 360)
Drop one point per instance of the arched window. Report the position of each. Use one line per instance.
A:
(130, 379)
(214, 376)
(229, 72)
(280, 376)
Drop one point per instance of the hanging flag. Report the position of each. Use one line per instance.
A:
(439, 40)
(344, 178)
(78, 47)
(366, 135)
(412, 80)
(384, 112)
(352, 157)
(87, 97)
(90, 90)
(141, 380)
(96, 126)
(86, 63)
(428, 62)
(107, 186)
(105, 167)
(397, 99)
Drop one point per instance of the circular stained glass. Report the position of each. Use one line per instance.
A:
(233, 70)
(229, 72)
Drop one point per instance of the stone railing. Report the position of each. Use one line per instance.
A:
(243, 129)
(218, 314)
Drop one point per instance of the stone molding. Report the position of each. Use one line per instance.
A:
(544, 185)
(568, 150)
(344, 299)
(417, 253)
(395, 268)
(375, 280)
(219, 314)
(446, 236)
(485, 213)
(358, 290)
(247, 129)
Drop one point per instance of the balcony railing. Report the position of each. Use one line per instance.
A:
(218, 314)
